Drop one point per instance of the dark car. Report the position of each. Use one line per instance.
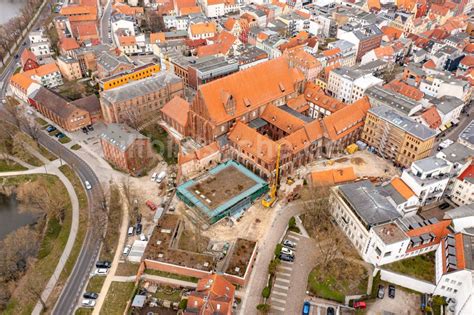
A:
(286, 257)
(330, 311)
(391, 291)
(90, 128)
(444, 206)
(50, 128)
(306, 308)
(60, 135)
(90, 295)
(138, 229)
(84, 130)
(103, 264)
(381, 292)
(17, 56)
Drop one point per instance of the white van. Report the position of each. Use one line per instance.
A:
(161, 176)
(126, 250)
(143, 237)
(130, 231)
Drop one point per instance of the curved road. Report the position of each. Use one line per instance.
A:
(77, 280)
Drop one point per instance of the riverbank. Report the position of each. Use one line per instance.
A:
(11, 211)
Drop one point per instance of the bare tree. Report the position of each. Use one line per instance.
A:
(44, 197)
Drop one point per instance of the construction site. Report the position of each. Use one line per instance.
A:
(226, 190)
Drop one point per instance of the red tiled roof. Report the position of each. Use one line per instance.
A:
(67, 44)
(432, 117)
(177, 109)
(405, 89)
(27, 55)
(468, 173)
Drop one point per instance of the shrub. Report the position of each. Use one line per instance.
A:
(266, 292)
(263, 308)
(278, 250)
(182, 304)
(292, 223)
(272, 267)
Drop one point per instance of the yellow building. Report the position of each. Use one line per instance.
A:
(135, 74)
(397, 137)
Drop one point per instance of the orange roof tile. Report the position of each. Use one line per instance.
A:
(392, 32)
(281, 119)
(250, 140)
(213, 293)
(203, 28)
(177, 109)
(429, 64)
(222, 45)
(374, 4)
(407, 90)
(189, 10)
(314, 130)
(315, 95)
(157, 37)
(333, 176)
(46, 69)
(184, 3)
(296, 141)
(439, 229)
(68, 43)
(229, 24)
(300, 57)
(127, 40)
(27, 55)
(468, 61)
(439, 9)
(460, 258)
(126, 9)
(469, 48)
(384, 51)
(432, 117)
(21, 80)
(86, 29)
(298, 103)
(403, 189)
(347, 119)
(207, 150)
(467, 173)
(249, 89)
(262, 36)
(331, 52)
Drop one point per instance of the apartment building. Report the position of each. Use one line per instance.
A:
(126, 148)
(365, 38)
(69, 68)
(462, 192)
(28, 60)
(397, 137)
(59, 110)
(444, 84)
(349, 85)
(39, 43)
(140, 101)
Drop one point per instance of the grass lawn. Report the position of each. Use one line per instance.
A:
(171, 275)
(83, 311)
(117, 298)
(113, 226)
(421, 267)
(83, 213)
(335, 282)
(65, 140)
(76, 147)
(41, 121)
(168, 294)
(127, 269)
(162, 143)
(7, 166)
(51, 249)
(95, 284)
(46, 153)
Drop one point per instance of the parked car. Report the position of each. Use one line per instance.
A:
(138, 228)
(90, 128)
(103, 264)
(161, 176)
(306, 308)
(381, 292)
(143, 237)
(90, 295)
(131, 230)
(153, 177)
(88, 185)
(60, 135)
(88, 303)
(101, 271)
(285, 257)
(360, 305)
(126, 250)
(444, 206)
(330, 311)
(151, 205)
(289, 243)
(391, 291)
(50, 128)
(287, 251)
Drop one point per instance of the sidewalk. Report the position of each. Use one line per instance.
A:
(52, 168)
(17, 160)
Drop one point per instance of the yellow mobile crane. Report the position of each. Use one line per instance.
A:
(270, 197)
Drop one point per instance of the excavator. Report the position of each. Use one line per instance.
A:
(271, 196)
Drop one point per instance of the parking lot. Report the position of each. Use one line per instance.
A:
(404, 303)
(283, 276)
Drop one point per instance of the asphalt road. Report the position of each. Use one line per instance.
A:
(104, 23)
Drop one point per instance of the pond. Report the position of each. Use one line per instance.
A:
(11, 218)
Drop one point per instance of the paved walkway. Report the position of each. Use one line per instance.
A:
(118, 253)
(52, 168)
